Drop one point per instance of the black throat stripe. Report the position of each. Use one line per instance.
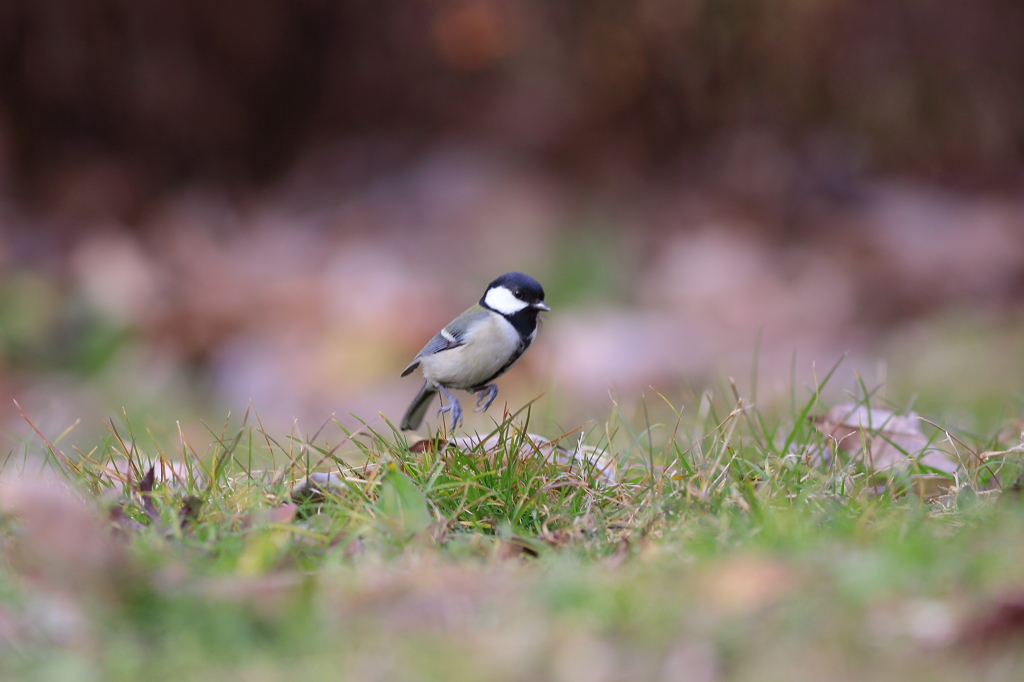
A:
(525, 322)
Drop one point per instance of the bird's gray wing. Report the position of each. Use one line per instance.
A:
(452, 336)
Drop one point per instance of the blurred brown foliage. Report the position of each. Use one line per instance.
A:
(249, 198)
(106, 103)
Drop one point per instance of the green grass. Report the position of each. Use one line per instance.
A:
(727, 548)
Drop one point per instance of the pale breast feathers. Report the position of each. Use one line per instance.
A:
(466, 366)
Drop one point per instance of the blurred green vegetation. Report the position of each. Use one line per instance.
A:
(45, 328)
(591, 268)
(715, 554)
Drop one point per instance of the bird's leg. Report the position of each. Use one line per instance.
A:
(452, 406)
(488, 394)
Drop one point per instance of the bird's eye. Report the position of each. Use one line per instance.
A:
(517, 292)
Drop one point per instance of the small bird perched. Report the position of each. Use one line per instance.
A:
(477, 347)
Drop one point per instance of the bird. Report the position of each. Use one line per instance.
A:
(477, 347)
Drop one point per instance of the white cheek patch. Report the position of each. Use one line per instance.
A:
(502, 300)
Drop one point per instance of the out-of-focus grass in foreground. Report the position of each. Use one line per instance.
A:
(724, 541)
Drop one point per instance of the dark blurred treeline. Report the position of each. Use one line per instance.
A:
(148, 95)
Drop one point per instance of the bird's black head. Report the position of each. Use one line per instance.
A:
(514, 293)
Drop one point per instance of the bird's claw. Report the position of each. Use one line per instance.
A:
(453, 407)
(486, 396)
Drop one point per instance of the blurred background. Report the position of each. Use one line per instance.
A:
(204, 204)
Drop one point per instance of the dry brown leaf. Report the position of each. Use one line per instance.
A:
(881, 438)
(428, 445)
(145, 488)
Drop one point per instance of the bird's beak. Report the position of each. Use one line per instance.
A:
(541, 305)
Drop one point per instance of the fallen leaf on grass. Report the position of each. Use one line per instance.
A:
(315, 489)
(581, 456)
(428, 445)
(145, 489)
(884, 440)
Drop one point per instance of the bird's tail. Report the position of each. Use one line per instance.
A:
(418, 407)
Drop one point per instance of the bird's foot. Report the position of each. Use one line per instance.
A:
(453, 406)
(486, 395)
